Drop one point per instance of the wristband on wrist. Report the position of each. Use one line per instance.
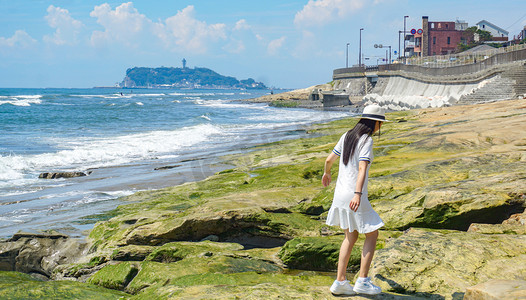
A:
(359, 193)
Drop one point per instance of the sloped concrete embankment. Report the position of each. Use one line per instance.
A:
(402, 90)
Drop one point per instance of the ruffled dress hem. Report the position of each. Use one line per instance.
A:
(346, 219)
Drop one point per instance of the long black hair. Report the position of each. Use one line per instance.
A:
(364, 126)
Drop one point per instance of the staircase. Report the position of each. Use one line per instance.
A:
(496, 88)
(518, 75)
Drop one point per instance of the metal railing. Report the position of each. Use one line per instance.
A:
(450, 60)
(435, 66)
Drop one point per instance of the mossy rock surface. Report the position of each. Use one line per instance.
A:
(441, 168)
(176, 251)
(446, 262)
(115, 276)
(14, 285)
(151, 273)
(322, 253)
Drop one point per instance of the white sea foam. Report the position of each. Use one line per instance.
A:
(21, 100)
(118, 95)
(206, 117)
(231, 104)
(139, 103)
(149, 95)
(118, 194)
(98, 152)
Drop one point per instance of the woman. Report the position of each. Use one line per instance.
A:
(350, 208)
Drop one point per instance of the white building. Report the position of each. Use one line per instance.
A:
(495, 30)
(461, 25)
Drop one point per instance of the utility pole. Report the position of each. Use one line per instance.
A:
(404, 37)
(360, 49)
(347, 56)
(399, 32)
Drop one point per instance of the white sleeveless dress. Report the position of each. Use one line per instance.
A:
(365, 219)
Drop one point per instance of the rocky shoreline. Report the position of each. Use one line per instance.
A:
(295, 98)
(450, 184)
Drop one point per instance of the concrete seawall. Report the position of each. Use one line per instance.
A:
(400, 87)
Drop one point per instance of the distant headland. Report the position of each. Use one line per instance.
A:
(193, 78)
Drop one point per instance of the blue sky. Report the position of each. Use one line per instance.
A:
(287, 44)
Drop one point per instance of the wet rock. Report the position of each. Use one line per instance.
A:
(445, 263)
(15, 285)
(38, 253)
(56, 175)
(166, 167)
(497, 289)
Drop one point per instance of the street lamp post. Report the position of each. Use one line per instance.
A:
(404, 35)
(360, 49)
(399, 32)
(347, 56)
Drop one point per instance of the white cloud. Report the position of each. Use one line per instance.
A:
(20, 39)
(242, 25)
(259, 37)
(275, 45)
(121, 25)
(184, 31)
(67, 28)
(319, 12)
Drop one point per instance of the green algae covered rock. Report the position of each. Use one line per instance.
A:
(115, 276)
(14, 285)
(247, 285)
(131, 253)
(151, 273)
(487, 195)
(315, 253)
(176, 251)
(444, 263)
(321, 253)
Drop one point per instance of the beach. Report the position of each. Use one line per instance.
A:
(448, 184)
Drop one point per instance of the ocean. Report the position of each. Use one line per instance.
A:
(128, 140)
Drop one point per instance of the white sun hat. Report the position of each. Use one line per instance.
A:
(374, 112)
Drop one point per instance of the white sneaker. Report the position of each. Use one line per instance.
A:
(365, 286)
(342, 289)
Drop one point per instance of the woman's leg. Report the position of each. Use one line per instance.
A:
(345, 253)
(368, 252)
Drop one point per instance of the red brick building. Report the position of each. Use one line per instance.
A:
(440, 38)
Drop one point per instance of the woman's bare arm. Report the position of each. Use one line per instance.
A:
(362, 171)
(326, 179)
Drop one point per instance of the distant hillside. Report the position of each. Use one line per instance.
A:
(164, 77)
